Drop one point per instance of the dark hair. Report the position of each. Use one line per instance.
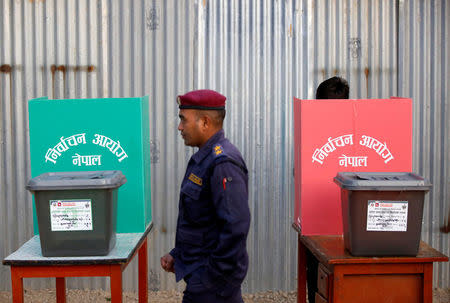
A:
(333, 88)
(221, 115)
(216, 115)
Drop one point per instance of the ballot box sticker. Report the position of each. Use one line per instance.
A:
(71, 215)
(387, 215)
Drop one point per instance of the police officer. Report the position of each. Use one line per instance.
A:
(213, 216)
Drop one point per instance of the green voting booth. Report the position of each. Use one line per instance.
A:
(92, 135)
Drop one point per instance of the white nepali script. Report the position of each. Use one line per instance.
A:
(89, 160)
(320, 154)
(357, 161)
(114, 146)
(380, 148)
(63, 145)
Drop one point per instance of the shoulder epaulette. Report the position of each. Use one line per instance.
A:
(218, 151)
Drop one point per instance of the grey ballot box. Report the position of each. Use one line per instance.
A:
(382, 212)
(76, 211)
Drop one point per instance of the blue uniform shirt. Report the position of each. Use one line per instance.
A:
(214, 216)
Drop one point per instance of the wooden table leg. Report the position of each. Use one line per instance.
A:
(116, 284)
(301, 272)
(143, 273)
(338, 279)
(17, 286)
(427, 282)
(60, 290)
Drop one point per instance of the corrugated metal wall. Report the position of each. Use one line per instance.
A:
(424, 52)
(260, 54)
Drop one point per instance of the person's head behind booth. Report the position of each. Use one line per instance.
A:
(333, 88)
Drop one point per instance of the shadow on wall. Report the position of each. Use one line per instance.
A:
(446, 228)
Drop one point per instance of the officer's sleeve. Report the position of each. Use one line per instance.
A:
(174, 253)
(230, 197)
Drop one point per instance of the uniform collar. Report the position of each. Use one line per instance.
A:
(207, 148)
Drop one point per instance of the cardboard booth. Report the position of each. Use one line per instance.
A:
(96, 135)
(373, 135)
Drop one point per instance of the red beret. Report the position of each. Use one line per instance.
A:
(202, 99)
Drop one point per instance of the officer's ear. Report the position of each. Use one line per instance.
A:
(200, 119)
(207, 121)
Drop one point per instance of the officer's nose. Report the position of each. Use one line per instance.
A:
(180, 128)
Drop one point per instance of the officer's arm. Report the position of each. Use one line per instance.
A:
(230, 197)
(174, 253)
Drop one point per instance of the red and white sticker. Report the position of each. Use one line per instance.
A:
(387, 215)
(71, 215)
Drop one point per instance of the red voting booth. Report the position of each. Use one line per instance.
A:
(344, 135)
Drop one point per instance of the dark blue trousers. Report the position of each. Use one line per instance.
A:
(211, 297)
(196, 292)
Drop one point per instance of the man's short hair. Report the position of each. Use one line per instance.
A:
(216, 116)
(333, 88)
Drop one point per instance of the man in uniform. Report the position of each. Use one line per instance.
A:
(213, 217)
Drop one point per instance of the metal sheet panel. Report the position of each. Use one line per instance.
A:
(424, 52)
(16, 83)
(95, 49)
(260, 54)
(263, 53)
(353, 39)
(245, 56)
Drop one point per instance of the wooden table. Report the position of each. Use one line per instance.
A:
(28, 262)
(345, 278)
